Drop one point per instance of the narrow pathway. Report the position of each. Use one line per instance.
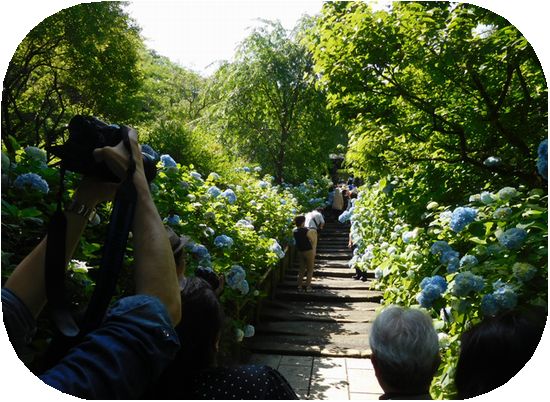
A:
(319, 340)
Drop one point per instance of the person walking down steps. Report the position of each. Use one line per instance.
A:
(306, 254)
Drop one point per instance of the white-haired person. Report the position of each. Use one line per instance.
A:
(405, 352)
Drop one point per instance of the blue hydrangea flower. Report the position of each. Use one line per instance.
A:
(223, 241)
(214, 191)
(524, 271)
(489, 305)
(258, 169)
(436, 280)
(492, 161)
(36, 154)
(462, 216)
(512, 238)
(196, 176)
(167, 161)
(439, 246)
(31, 181)
(235, 276)
(249, 331)
(344, 217)
(277, 249)
(448, 256)
(146, 149)
(200, 251)
(452, 265)
(466, 282)
(506, 297)
(502, 213)
(507, 193)
(494, 249)
(173, 219)
(542, 160)
(262, 184)
(431, 289)
(246, 169)
(487, 198)
(468, 261)
(230, 196)
(243, 287)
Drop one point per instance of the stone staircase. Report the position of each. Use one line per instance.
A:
(334, 320)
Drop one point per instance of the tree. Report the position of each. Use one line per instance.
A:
(433, 84)
(271, 112)
(80, 60)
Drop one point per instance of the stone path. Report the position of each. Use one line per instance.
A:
(319, 340)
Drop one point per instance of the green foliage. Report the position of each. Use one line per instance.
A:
(270, 111)
(402, 256)
(80, 60)
(435, 84)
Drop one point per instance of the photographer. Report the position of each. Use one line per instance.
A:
(136, 340)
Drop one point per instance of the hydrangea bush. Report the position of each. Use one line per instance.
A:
(461, 262)
(237, 221)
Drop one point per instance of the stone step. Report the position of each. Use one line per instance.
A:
(331, 346)
(328, 282)
(321, 329)
(328, 313)
(326, 263)
(338, 272)
(334, 255)
(332, 295)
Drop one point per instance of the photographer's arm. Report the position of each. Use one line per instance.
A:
(155, 270)
(28, 279)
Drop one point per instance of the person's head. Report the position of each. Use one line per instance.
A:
(199, 332)
(201, 323)
(405, 350)
(495, 350)
(299, 221)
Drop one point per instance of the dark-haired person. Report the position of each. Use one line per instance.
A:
(306, 255)
(194, 373)
(136, 340)
(495, 350)
(405, 352)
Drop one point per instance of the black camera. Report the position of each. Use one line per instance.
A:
(87, 133)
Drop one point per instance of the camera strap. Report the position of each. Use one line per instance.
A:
(55, 268)
(121, 219)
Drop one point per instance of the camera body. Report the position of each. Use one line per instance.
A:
(87, 133)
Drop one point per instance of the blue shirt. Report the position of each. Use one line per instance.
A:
(119, 360)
